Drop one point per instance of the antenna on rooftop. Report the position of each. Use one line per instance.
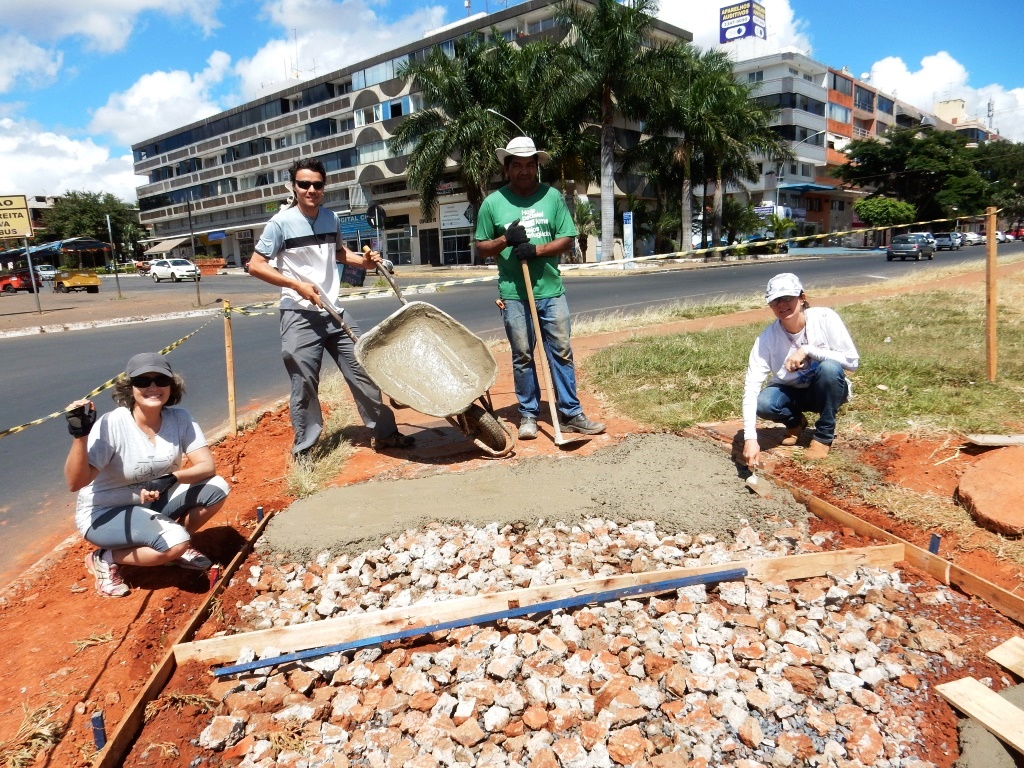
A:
(467, 7)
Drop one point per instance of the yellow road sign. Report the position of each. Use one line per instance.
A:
(15, 220)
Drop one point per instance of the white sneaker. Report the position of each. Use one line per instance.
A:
(107, 574)
(193, 560)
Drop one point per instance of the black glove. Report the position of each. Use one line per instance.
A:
(81, 419)
(524, 251)
(515, 234)
(160, 484)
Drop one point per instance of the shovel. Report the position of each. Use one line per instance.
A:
(542, 362)
(759, 485)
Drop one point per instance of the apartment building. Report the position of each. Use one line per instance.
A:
(822, 109)
(228, 173)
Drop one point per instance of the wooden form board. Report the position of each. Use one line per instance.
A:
(995, 440)
(987, 707)
(1003, 601)
(117, 746)
(301, 637)
(1010, 655)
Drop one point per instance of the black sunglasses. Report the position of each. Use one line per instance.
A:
(160, 379)
(317, 185)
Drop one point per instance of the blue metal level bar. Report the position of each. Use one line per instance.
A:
(551, 605)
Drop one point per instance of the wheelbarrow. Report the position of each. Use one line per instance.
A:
(427, 360)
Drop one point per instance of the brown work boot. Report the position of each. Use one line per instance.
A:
(793, 433)
(816, 451)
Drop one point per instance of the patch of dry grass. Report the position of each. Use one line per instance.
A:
(177, 701)
(313, 472)
(36, 734)
(91, 640)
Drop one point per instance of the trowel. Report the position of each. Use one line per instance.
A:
(759, 485)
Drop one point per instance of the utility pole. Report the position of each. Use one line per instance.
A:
(192, 241)
(113, 253)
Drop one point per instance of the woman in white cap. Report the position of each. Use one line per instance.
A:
(136, 502)
(807, 351)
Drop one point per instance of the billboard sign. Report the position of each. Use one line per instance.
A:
(15, 220)
(741, 20)
(457, 216)
(764, 211)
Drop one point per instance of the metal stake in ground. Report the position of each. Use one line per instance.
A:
(541, 361)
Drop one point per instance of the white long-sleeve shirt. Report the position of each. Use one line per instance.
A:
(824, 338)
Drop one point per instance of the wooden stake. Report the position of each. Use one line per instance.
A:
(229, 357)
(991, 298)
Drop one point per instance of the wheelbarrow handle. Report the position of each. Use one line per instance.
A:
(383, 272)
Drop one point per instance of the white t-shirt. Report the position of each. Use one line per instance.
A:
(305, 250)
(126, 458)
(824, 338)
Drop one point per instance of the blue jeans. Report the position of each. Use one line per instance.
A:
(826, 392)
(554, 328)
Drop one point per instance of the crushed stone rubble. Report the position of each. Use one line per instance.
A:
(817, 672)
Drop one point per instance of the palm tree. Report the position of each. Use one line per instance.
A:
(743, 129)
(608, 67)
(685, 110)
(455, 126)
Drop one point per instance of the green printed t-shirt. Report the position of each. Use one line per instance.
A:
(545, 217)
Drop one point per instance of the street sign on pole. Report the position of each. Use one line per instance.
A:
(15, 220)
(627, 237)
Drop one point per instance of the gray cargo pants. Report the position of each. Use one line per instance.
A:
(305, 336)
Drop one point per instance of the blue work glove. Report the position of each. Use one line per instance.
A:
(525, 251)
(160, 484)
(515, 234)
(81, 419)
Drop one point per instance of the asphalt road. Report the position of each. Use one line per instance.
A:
(42, 373)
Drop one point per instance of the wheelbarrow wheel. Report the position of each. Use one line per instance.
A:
(484, 427)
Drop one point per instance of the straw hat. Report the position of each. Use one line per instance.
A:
(522, 146)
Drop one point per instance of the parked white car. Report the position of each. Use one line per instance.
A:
(45, 271)
(973, 238)
(173, 269)
(948, 240)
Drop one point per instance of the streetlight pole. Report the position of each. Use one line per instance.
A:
(113, 247)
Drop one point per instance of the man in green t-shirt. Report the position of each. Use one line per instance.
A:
(526, 221)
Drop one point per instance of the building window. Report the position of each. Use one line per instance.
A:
(838, 113)
(321, 129)
(400, 246)
(792, 169)
(808, 78)
(839, 83)
(863, 99)
(838, 205)
(455, 246)
(806, 170)
(368, 115)
(540, 26)
(885, 105)
(755, 77)
(812, 203)
(794, 72)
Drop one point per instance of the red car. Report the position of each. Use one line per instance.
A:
(19, 281)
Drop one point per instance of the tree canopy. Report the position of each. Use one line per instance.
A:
(83, 214)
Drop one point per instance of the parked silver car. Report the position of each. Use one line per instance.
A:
(948, 240)
(173, 269)
(909, 246)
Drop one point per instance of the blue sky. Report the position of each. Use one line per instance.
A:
(79, 82)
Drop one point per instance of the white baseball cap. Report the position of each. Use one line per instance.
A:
(785, 284)
(522, 146)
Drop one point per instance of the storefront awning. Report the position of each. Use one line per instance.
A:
(165, 246)
(809, 187)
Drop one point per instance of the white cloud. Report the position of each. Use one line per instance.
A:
(25, 63)
(940, 77)
(105, 24)
(328, 35)
(160, 101)
(785, 31)
(34, 162)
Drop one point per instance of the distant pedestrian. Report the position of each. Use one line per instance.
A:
(526, 221)
(305, 242)
(806, 351)
(137, 500)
